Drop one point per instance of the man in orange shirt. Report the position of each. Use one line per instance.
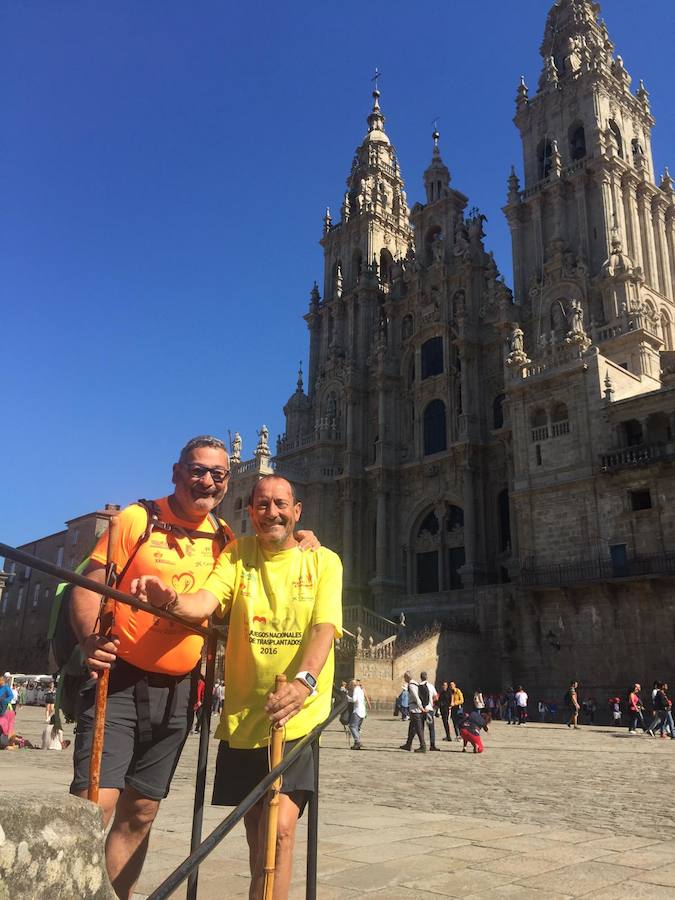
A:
(153, 682)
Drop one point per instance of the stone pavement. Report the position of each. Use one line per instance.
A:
(545, 813)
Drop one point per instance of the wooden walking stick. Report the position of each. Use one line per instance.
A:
(276, 754)
(105, 628)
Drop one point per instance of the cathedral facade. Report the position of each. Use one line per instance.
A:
(493, 453)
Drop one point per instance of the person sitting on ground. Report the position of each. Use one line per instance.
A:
(470, 727)
(52, 737)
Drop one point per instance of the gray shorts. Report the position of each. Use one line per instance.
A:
(139, 751)
(239, 771)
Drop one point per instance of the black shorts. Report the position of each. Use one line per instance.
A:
(239, 771)
(128, 758)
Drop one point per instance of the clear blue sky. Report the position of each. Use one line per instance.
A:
(164, 170)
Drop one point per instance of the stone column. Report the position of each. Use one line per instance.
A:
(469, 568)
(634, 247)
(606, 188)
(644, 215)
(670, 245)
(381, 535)
(582, 217)
(347, 533)
(659, 223)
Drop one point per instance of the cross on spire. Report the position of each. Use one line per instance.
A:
(376, 77)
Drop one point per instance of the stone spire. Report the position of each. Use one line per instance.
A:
(375, 184)
(437, 176)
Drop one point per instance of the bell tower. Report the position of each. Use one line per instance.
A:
(590, 223)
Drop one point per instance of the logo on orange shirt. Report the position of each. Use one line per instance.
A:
(183, 582)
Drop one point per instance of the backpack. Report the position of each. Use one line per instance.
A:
(65, 654)
(423, 691)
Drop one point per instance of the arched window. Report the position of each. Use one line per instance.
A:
(386, 265)
(454, 518)
(545, 157)
(559, 420)
(617, 140)
(357, 265)
(559, 413)
(435, 432)
(498, 411)
(577, 142)
(426, 556)
(632, 432)
(666, 330)
(539, 425)
(504, 517)
(432, 357)
(658, 429)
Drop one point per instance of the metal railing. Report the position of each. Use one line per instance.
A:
(598, 570)
(199, 850)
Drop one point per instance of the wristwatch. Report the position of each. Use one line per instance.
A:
(308, 680)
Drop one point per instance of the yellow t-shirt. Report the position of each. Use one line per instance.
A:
(150, 643)
(274, 599)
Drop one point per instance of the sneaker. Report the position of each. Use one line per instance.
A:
(405, 747)
(447, 739)
(420, 750)
(434, 747)
(632, 731)
(356, 747)
(649, 732)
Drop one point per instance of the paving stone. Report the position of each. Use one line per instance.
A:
(628, 890)
(557, 818)
(578, 880)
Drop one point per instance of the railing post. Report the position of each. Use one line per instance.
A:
(202, 760)
(313, 828)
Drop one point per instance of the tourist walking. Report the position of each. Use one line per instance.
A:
(663, 706)
(572, 703)
(635, 710)
(415, 710)
(521, 705)
(357, 697)
(404, 703)
(510, 706)
(444, 698)
(427, 694)
(456, 707)
(478, 701)
(615, 707)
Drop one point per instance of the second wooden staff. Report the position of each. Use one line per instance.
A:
(105, 628)
(276, 754)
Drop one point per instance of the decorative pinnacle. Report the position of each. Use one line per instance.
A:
(300, 386)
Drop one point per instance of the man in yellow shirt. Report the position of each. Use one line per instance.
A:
(285, 612)
(456, 707)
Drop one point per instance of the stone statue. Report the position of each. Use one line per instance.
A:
(438, 248)
(575, 317)
(359, 639)
(236, 448)
(263, 448)
(517, 345)
(517, 356)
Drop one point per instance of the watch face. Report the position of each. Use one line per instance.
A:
(311, 680)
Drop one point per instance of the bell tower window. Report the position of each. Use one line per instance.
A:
(577, 142)
(545, 156)
(617, 140)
